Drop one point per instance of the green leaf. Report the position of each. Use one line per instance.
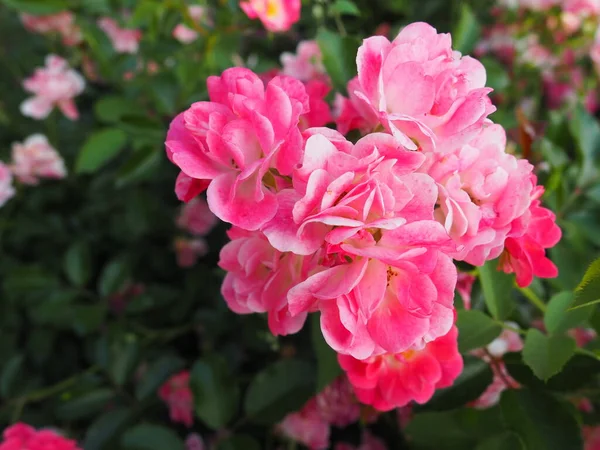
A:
(497, 76)
(559, 318)
(88, 318)
(576, 374)
(239, 442)
(586, 131)
(84, 406)
(471, 383)
(37, 7)
(124, 357)
(504, 441)
(467, 31)
(459, 429)
(546, 355)
(157, 374)
(215, 392)
(113, 277)
(540, 420)
(78, 265)
(475, 330)
(328, 368)
(339, 57)
(345, 7)
(105, 429)
(99, 149)
(142, 165)
(111, 108)
(588, 290)
(151, 437)
(11, 375)
(281, 388)
(497, 289)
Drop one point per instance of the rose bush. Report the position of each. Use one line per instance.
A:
(278, 224)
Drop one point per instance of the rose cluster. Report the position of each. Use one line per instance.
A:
(365, 233)
(23, 437)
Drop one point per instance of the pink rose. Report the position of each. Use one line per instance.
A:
(196, 217)
(245, 143)
(23, 437)
(176, 393)
(62, 23)
(7, 190)
(182, 32)
(482, 191)
(307, 427)
(306, 64)
(189, 250)
(276, 15)
(524, 252)
(419, 89)
(53, 86)
(259, 278)
(337, 403)
(123, 40)
(390, 380)
(36, 158)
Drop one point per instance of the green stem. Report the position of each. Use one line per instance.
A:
(39, 395)
(339, 23)
(508, 327)
(583, 351)
(533, 298)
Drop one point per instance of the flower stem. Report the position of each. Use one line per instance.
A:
(533, 298)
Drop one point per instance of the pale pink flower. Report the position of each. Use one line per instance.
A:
(194, 442)
(276, 15)
(245, 142)
(189, 250)
(307, 427)
(337, 403)
(259, 278)
(582, 8)
(390, 381)
(54, 85)
(306, 64)
(508, 341)
(524, 252)
(464, 285)
(535, 5)
(185, 34)
(591, 437)
(196, 217)
(176, 393)
(482, 191)
(369, 442)
(7, 191)
(501, 382)
(498, 40)
(419, 89)
(36, 158)
(123, 40)
(62, 23)
(24, 437)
